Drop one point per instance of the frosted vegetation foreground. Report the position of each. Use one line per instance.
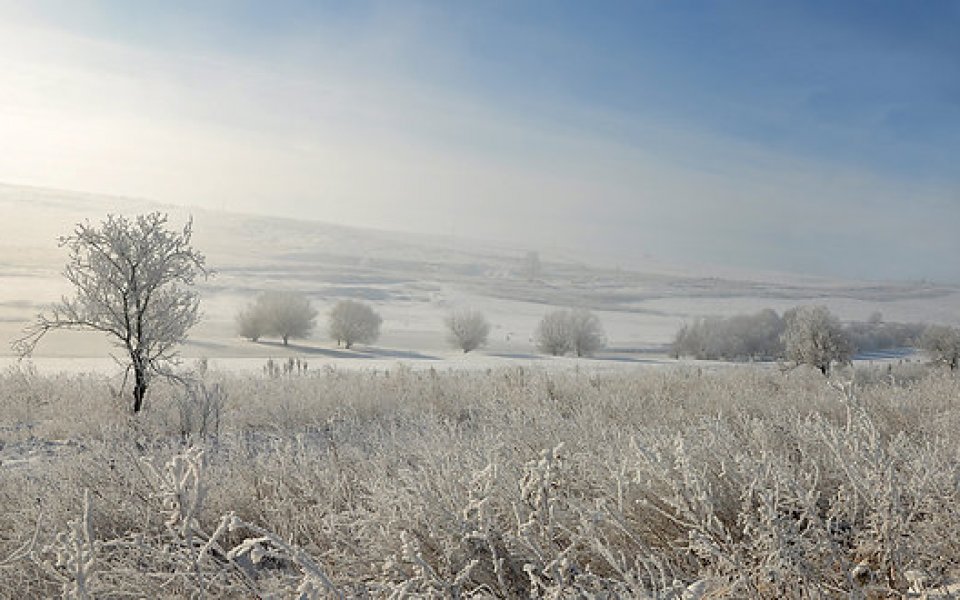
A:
(744, 483)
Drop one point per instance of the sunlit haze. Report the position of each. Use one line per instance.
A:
(816, 137)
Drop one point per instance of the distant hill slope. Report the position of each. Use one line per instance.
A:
(415, 279)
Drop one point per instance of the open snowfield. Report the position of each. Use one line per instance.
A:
(413, 282)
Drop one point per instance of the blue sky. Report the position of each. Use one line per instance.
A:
(815, 136)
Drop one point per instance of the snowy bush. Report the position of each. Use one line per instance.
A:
(741, 337)
(813, 336)
(553, 333)
(282, 314)
(570, 330)
(467, 329)
(352, 322)
(760, 336)
(942, 343)
(745, 483)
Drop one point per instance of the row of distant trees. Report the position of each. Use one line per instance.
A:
(290, 315)
(134, 281)
(809, 335)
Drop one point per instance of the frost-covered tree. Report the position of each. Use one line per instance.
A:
(877, 334)
(252, 323)
(943, 345)
(761, 333)
(552, 335)
(564, 330)
(740, 337)
(467, 330)
(286, 314)
(282, 314)
(352, 322)
(133, 280)
(813, 336)
(586, 332)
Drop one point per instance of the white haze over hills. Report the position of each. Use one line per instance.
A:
(414, 281)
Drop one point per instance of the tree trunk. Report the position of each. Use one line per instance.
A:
(139, 387)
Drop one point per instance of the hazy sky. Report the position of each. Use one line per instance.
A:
(808, 136)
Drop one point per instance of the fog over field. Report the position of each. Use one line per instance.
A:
(414, 281)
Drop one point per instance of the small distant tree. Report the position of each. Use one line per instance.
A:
(564, 330)
(133, 280)
(552, 335)
(813, 336)
(740, 337)
(286, 314)
(762, 332)
(252, 323)
(282, 314)
(352, 322)
(467, 330)
(586, 332)
(943, 345)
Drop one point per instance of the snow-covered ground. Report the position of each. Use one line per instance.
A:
(413, 281)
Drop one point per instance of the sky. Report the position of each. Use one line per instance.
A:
(816, 137)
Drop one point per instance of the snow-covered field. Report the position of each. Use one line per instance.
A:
(414, 282)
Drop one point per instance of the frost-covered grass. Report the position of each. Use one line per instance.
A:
(742, 483)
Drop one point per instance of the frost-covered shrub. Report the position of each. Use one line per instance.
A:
(552, 335)
(283, 314)
(741, 337)
(745, 483)
(467, 329)
(252, 323)
(352, 322)
(875, 334)
(813, 336)
(570, 330)
(760, 336)
(942, 343)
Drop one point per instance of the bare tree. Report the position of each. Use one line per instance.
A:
(586, 332)
(133, 281)
(943, 345)
(286, 314)
(813, 336)
(352, 322)
(467, 330)
(552, 335)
